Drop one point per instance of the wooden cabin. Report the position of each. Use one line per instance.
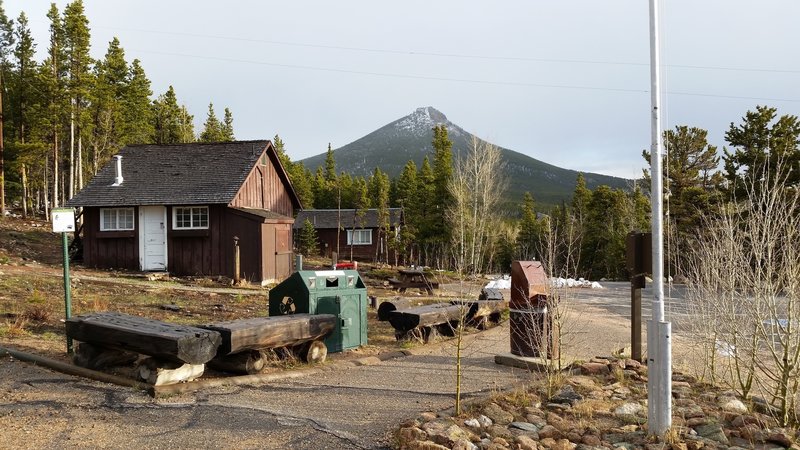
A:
(183, 208)
(359, 234)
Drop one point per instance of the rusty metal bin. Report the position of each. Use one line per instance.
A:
(533, 331)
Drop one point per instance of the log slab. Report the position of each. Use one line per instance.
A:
(165, 341)
(405, 320)
(271, 332)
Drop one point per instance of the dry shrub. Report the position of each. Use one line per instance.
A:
(37, 313)
(14, 329)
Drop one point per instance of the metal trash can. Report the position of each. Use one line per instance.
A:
(533, 331)
(338, 292)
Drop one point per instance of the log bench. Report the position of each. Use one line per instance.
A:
(425, 322)
(482, 313)
(244, 341)
(165, 341)
(176, 352)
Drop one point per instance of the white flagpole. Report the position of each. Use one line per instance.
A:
(659, 331)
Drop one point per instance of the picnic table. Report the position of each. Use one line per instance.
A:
(414, 279)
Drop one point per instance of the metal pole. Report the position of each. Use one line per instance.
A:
(67, 287)
(659, 394)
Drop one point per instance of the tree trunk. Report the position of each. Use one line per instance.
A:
(79, 157)
(45, 190)
(24, 191)
(2, 163)
(71, 185)
(55, 166)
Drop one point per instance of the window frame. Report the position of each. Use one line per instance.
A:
(360, 231)
(116, 212)
(192, 225)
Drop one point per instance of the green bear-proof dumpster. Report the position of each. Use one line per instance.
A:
(338, 292)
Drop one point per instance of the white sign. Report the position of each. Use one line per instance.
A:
(63, 220)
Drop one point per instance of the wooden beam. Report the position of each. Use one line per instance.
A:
(165, 341)
(271, 332)
(429, 315)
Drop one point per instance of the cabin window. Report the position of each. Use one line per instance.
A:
(359, 237)
(116, 219)
(189, 217)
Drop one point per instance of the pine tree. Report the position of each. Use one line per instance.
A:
(212, 128)
(760, 144)
(307, 242)
(438, 233)
(302, 181)
(77, 41)
(226, 129)
(6, 43)
(105, 107)
(280, 150)
(137, 118)
(530, 230)
(330, 165)
(172, 124)
(53, 76)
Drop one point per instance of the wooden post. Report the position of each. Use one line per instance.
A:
(236, 261)
(636, 317)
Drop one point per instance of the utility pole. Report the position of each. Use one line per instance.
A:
(659, 331)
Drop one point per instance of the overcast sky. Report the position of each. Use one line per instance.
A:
(566, 82)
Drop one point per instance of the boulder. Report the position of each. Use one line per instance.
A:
(526, 443)
(712, 431)
(497, 414)
(549, 431)
(629, 409)
(734, 405)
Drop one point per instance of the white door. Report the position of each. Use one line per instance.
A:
(153, 237)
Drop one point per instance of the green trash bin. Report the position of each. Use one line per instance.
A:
(338, 292)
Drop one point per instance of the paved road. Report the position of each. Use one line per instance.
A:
(615, 298)
(348, 407)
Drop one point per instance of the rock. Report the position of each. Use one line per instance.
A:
(582, 381)
(629, 409)
(524, 426)
(498, 414)
(780, 437)
(567, 395)
(563, 444)
(695, 444)
(463, 444)
(594, 369)
(526, 443)
(536, 420)
(599, 360)
(410, 423)
(426, 445)
(500, 441)
(632, 364)
(547, 442)
(679, 446)
(484, 421)
(712, 431)
(472, 423)
(574, 436)
(427, 417)
(549, 431)
(499, 431)
(732, 405)
(409, 434)
(591, 440)
(690, 411)
(696, 421)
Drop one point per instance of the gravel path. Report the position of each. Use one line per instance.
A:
(349, 407)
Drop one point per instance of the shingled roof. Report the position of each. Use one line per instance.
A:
(179, 174)
(328, 218)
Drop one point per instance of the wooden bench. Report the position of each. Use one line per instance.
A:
(165, 341)
(244, 340)
(413, 279)
(425, 322)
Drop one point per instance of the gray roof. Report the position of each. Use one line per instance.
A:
(328, 218)
(179, 174)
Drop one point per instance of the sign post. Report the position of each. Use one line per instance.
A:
(64, 222)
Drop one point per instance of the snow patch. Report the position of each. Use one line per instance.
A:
(505, 283)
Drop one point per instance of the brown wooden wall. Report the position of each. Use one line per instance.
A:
(264, 189)
(360, 252)
(198, 252)
(109, 249)
(210, 252)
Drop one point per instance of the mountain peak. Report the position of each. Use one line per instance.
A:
(420, 122)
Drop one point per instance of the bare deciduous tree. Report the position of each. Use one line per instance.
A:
(744, 291)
